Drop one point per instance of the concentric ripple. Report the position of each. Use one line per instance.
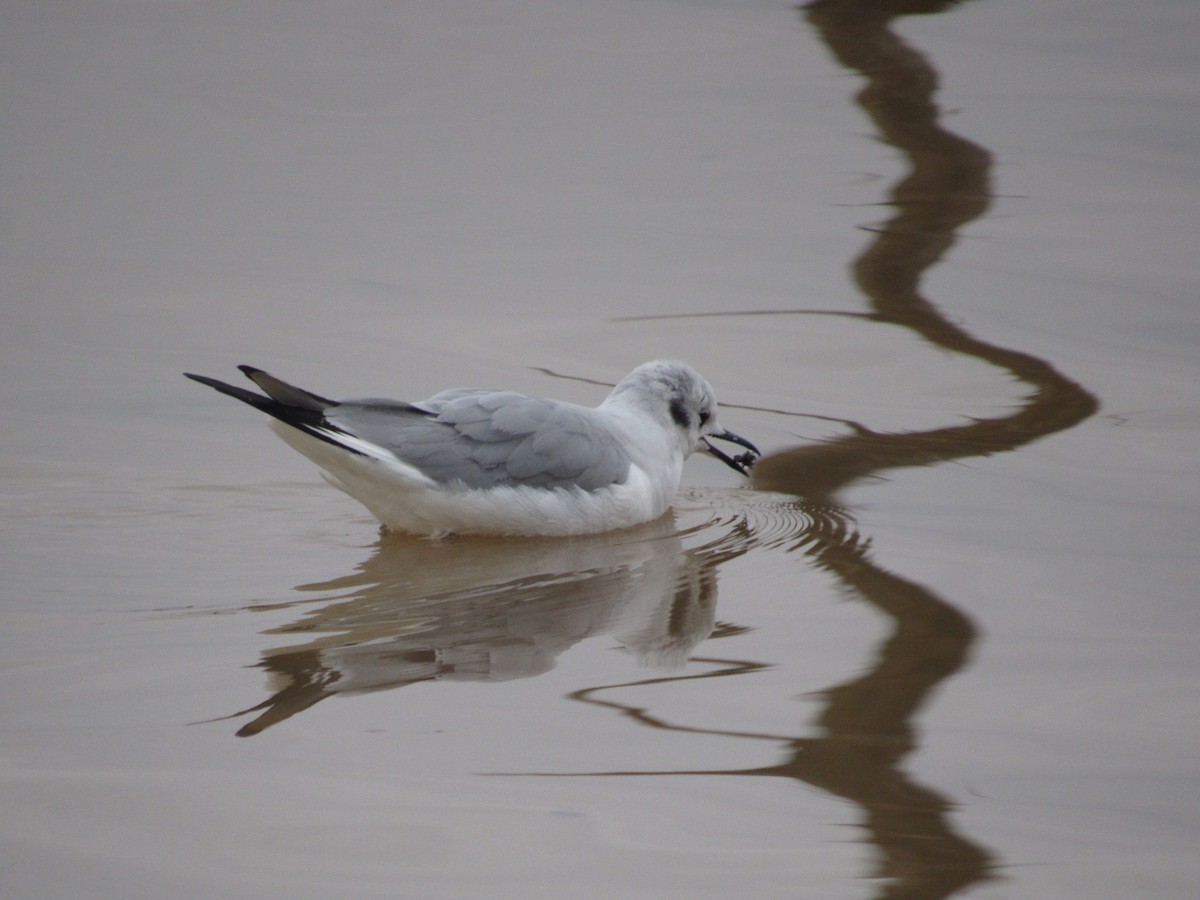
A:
(732, 522)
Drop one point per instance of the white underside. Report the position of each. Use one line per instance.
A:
(404, 499)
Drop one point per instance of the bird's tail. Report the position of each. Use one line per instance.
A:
(288, 403)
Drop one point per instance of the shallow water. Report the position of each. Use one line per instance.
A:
(947, 634)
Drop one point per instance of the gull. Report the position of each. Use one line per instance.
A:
(469, 461)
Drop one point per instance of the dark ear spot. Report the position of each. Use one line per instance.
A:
(680, 414)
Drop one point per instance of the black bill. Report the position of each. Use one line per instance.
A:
(740, 463)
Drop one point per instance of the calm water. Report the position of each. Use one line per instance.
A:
(941, 268)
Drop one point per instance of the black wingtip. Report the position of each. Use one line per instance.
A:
(287, 394)
(258, 401)
(204, 379)
(288, 404)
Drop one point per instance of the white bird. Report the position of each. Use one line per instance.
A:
(498, 462)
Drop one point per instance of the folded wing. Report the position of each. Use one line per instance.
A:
(484, 439)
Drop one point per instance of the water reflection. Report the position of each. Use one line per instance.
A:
(479, 609)
(946, 187)
(867, 723)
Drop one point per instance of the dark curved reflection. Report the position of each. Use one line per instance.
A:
(867, 724)
(946, 187)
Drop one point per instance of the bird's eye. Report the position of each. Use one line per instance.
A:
(704, 417)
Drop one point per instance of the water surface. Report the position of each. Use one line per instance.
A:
(940, 267)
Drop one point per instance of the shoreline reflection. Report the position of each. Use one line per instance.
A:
(867, 723)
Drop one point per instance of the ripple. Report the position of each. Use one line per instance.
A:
(731, 522)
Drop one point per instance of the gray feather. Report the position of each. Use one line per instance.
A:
(489, 438)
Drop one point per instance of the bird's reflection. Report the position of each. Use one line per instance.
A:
(479, 609)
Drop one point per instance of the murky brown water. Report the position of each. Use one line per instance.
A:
(941, 268)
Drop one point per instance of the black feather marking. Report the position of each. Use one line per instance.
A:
(303, 418)
(680, 414)
(287, 394)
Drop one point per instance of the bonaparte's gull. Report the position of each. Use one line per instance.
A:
(498, 462)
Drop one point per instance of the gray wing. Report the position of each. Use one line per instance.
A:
(491, 438)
